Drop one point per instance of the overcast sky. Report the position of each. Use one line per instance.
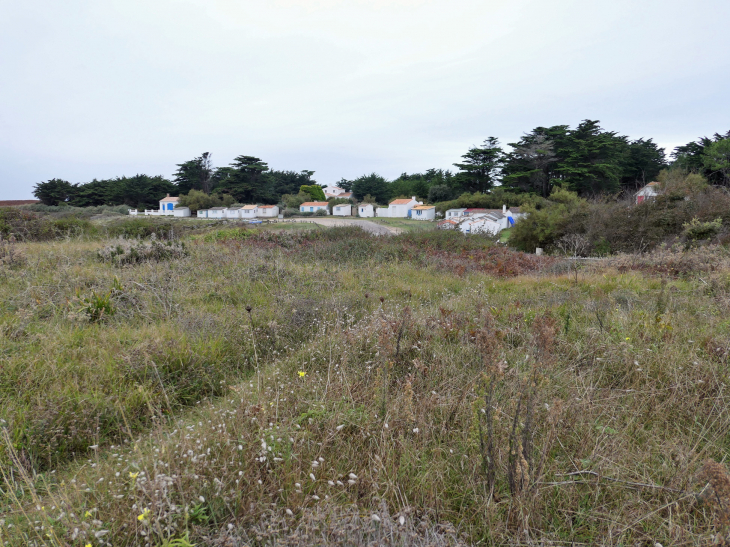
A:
(342, 87)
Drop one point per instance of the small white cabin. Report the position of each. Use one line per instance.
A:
(365, 210)
(423, 212)
(233, 212)
(454, 213)
(217, 212)
(313, 206)
(202, 213)
(342, 210)
(399, 208)
(181, 212)
(249, 211)
(268, 211)
(167, 204)
(650, 191)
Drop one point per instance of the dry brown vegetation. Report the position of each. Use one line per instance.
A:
(335, 388)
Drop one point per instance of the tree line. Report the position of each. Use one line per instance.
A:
(587, 160)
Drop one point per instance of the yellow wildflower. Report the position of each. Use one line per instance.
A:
(145, 514)
(302, 373)
(87, 514)
(133, 475)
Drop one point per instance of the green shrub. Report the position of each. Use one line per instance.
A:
(694, 229)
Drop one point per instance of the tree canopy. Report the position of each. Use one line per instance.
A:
(587, 159)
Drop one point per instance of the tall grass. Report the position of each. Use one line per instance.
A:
(332, 386)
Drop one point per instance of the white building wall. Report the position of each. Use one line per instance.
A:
(342, 210)
(268, 212)
(365, 210)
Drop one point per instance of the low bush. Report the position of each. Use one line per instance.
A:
(24, 225)
(688, 210)
(126, 251)
(694, 229)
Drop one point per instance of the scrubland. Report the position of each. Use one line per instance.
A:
(329, 387)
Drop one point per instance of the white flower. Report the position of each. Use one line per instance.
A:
(401, 520)
(289, 512)
(297, 485)
(375, 517)
(415, 430)
(311, 476)
(339, 427)
(315, 497)
(352, 476)
(330, 483)
(202, 499)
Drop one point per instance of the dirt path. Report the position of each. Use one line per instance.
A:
(368, 226)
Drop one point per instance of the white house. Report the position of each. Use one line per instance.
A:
(313, 207)
(181, 212)
(335, 192)
(342, 210)
(365, 210)
(382, 212)
(650, 191)
(249, 211)
(217, 212)
(423, 212)
(202, 213)
(453, 213)
(233, 212)
(399, 208)
(167, 204)
(268, 211)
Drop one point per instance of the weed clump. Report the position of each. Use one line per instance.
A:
(127, 252)
(717, 496)
(10, 255)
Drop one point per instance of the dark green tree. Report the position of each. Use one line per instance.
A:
(642, 163)
(690, 157)
(479, 170)
(246, 181)
(590, 159)
(716, 159)
(54, 191)
(314, 190)
(527, 167)
(196, 174)
(440, 192)
(372, 184)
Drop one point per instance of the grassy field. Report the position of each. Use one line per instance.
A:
(282, 386)
(405, 224)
